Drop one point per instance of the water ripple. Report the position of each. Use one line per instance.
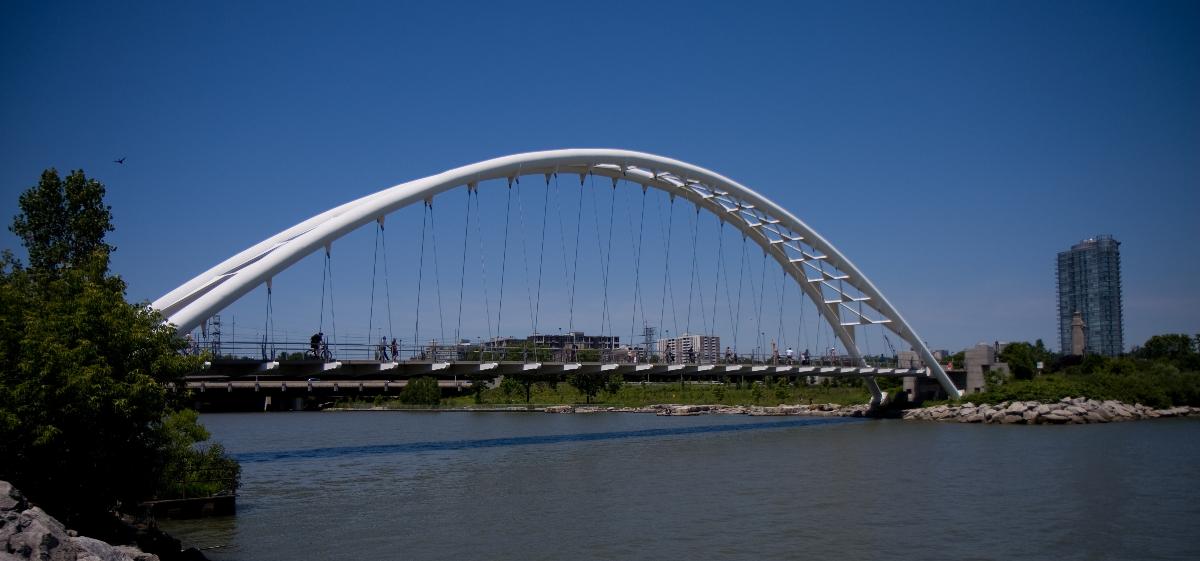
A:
(433, 446)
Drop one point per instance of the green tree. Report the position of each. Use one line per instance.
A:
(590, 384)
(527, 379)
(1173, 346)
(758, 391)
(192, 470)
(1021, 360)
(510, 388)
(479, 384)
(421, 391)
(88, 382)
(63, 223)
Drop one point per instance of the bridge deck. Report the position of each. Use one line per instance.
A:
(366, 370)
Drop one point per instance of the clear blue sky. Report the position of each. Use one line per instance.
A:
(950, 149)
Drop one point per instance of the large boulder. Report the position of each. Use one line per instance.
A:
(28, 532)
(38, 536)
(1013, 418)
(1055, 418)
(93, 549)
(11, 498)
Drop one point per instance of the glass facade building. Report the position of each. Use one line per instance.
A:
(1089, 282)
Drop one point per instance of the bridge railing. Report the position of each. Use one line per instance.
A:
(266, 351)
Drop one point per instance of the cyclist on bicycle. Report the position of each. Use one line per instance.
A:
(314, 343)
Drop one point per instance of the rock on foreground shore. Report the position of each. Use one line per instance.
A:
(27, 532)
(1068, 410)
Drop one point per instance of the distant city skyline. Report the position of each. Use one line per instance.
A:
(949, 149)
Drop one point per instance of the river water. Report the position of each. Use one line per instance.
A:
(496, 486)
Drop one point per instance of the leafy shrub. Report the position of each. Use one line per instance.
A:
(421, 391)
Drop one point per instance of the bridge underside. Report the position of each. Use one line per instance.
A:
(249, 385)
(240, 370)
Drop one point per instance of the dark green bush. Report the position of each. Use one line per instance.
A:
(421, 391)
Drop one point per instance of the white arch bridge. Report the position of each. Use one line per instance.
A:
(844, 297)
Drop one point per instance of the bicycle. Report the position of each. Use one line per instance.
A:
(324, 354)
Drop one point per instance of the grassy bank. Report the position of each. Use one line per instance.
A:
(638, 395)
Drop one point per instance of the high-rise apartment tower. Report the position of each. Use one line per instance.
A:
(1089, 282)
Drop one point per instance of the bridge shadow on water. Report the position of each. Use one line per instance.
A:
(444, 445)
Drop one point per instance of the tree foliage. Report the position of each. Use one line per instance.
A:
(591, 383)
(63, 223)
(525, 381)
(85, 376)
(1163, 372)
(1172, 346)
(421, 391)
(1022, 358)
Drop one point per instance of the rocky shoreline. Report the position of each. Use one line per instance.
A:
(28, 532)
(675, 410)
(1066, 411)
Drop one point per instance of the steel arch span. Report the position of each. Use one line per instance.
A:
(842, 294)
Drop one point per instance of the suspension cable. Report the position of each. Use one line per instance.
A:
(717, 282)
(667, 273)
(537, 309)
(504, 259)
(324, 274)
(761, 297)
(782, 301)
(637, 271)
(525, 255)
(420, 277)
(728, 298)
(687, 326)
(741, 277)
(575, 265)
(820, 333)
(463, 273)
(800, 324)
(332, 310)
(268, 327)
(437, 278)
(562, 235)
(604, 315)
(487, 306)
(699, 279)
(387, 289)
(371, 314)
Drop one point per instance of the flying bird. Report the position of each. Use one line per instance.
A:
(120, 160)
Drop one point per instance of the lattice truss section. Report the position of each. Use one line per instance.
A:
(835, 287)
